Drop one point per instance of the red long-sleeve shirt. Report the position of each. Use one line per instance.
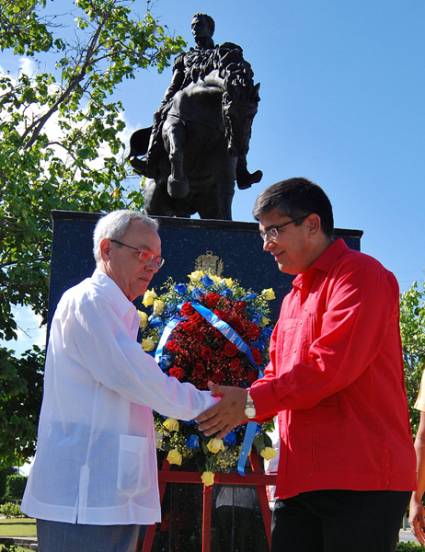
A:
(336, 379)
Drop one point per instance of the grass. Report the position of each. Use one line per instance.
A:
(17, 549)
(17, 527)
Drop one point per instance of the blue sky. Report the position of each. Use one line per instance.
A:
(342, 103)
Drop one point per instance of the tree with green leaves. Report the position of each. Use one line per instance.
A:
(60, 148)
(412, 325)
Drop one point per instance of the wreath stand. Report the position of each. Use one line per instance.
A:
(257, 478)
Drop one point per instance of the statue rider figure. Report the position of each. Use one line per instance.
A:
(188, 66)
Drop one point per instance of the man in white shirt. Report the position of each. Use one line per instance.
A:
(94, 479)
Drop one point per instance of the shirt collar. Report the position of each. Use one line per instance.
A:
(323, 263)
(115, 293)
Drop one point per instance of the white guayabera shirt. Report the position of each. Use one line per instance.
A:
(96, 458)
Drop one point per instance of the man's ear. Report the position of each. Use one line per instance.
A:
(105, 249)
(314, 224)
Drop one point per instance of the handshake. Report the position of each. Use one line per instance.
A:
(234, 408)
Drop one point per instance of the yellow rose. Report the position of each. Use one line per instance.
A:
(268, 453)
(148, 344)
(171, 424)
(158, 306)
(215, 445)
(174, 457)
(265, 321)
(229, 282)
(268, 294)
(208, 478)
(149, 297)
(143, 319)
(196, 275)
(216, 279)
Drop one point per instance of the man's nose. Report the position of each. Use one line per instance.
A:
(268, 245)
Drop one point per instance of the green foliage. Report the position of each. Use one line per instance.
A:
(21, 29)
(412, 326)
(20, 398)
(15, 486)
(60, 148)
(11, 510)
(4, 473)
(408, 547)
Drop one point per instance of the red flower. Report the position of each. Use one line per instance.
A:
(211, 299)
(251, 376)
(173, 346)
(240, 307)
(257, 355)
(230, 350)
(223, 315)
(188, 325)
(187, 309)
(252, 331)
(205, 352)
(176, 372)
(235, 364)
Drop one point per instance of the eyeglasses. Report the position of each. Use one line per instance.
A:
(144, 255)
(273, 233)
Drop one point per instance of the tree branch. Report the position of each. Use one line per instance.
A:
(35, 128)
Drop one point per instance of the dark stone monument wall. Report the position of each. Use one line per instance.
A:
(237, 244)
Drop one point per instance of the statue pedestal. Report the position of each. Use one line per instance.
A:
(257, 478)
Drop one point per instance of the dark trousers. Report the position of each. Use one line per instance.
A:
(56, 536)
(332, 521)
(240, 530)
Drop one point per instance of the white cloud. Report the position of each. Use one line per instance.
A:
(27, 66)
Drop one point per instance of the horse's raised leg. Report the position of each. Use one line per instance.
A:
(174, 134)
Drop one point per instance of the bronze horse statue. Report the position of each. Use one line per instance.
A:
(208, 122)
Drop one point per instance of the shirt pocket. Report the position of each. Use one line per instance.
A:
(133, 461)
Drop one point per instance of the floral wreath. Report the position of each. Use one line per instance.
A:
(208, 329)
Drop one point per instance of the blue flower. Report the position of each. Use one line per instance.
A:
(169, 310)
(192, 441)
(206, 280)
(230, 439)
(249, 296)
(260, 344)
(256, 318)
(181, 288)
(197, 294)
(165, 362)
(266, 332)
(227, 293)
(155, 321)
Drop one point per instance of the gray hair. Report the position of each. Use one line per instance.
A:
(114, 225)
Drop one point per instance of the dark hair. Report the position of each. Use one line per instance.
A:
(296, 197)
(208, 19)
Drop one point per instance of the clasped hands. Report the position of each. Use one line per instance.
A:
(229, 412)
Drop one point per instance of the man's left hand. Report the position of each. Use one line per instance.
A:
(221, 418)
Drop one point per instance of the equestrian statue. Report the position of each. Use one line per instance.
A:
(199, 141)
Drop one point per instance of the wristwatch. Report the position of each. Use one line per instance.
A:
(249, 407)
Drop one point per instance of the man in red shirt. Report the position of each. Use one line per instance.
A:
(335, 379)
